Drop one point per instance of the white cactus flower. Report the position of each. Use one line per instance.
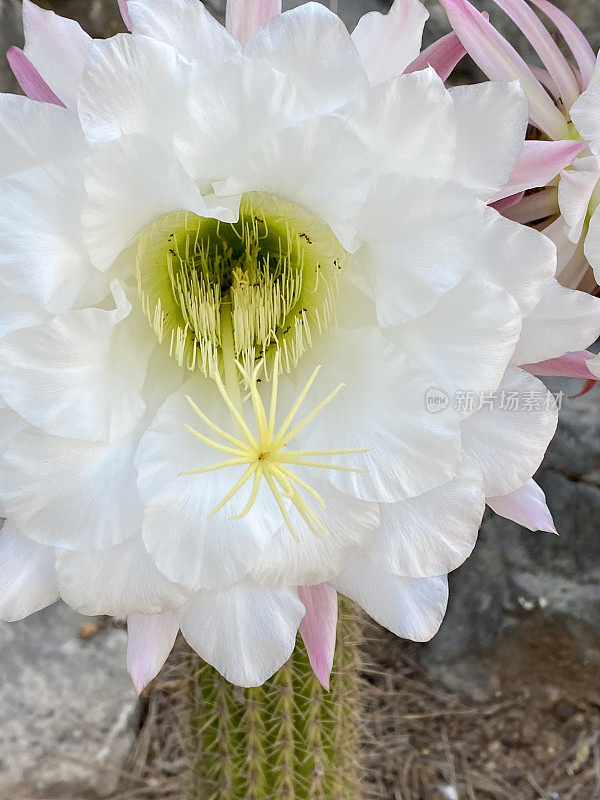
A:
(244, 283)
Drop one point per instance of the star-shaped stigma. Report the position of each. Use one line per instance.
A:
(265, 454)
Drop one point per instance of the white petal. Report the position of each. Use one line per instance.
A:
(575, 190)
(433, 533)
(150, 639)
(563, 321)
(186, 546)
(79, 374)
(584, 114)
(501, 248)
(118, 580)
(409, 607)
(572, 267)
(133, 84)
(508, 440)
(312, 45)
(231, 111)
(32, 133)
(395, 121)
(416, 244)
(318, 164)
(381, 408)
(525, 506)
(27, 575)
(41, 253)
(246, 632)
(10, 424)
(68, 493)
(592, 243)
(187, 26)
(57, 47)
(312, 559)
(492, 120)
(565, 250)
(468, 338)
(388, 43)
(130, 183)
(18, 311)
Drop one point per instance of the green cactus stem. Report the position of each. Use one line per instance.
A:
(286, 740)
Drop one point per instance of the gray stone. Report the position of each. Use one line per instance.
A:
(11, 33)
(67, 706)
(514, 572)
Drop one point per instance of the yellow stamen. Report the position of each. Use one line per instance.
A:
(222, 447)
(265, 455)
(233, 491)
(214, 428)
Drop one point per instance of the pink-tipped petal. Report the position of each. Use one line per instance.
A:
(533, 207)
(125, 14)
(150, 640)
(58, 48)
(527, 507)
(245, 17)
(557, 65)
(30, 80)
(587, 387)
(578, 44)
(546, 80)
(318, 628)
(442, 55)
(508, 202)
(501, 62)
(538, 164)
(571, 365)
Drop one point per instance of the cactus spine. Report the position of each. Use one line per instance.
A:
(285, 740)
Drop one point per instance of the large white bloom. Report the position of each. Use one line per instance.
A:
(232, 279)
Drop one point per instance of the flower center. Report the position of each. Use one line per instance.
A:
(264, 283)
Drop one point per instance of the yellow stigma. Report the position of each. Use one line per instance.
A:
(276, 270)
(265, 454)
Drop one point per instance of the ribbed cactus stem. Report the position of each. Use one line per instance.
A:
(286, 740)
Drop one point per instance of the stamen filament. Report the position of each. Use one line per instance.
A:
(294, 409)
(231, 462)
(253, 493)
(257, 404)
(214, 428)
(296, 453)
(301, 506)
(234, 411)
(233, 491)
(309, 417)
(281, 505)
(302, 484)
(274, 390)
(322, 465)
(222, 447)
